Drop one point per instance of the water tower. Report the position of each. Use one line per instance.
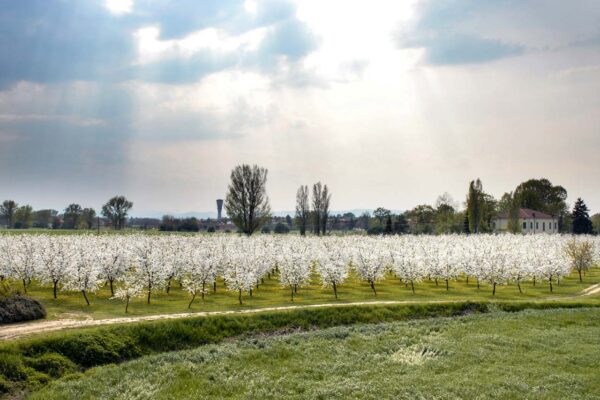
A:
(219, 208)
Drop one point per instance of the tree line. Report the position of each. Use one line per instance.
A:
(247, 205)
(74, 216)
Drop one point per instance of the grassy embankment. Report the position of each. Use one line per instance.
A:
(542, 354)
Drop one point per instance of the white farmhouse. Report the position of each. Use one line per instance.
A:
(530, 221)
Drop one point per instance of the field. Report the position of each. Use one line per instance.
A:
(271, 293)
(487, 316)
(544, 354)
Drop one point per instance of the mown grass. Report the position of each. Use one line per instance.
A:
(547, 354)
(270, 294)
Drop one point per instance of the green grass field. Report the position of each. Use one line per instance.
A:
(547, 354)
(271, 293)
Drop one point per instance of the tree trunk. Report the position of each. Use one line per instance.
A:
(193, 297)
(467, 279)
(478, 283)
(519, 285)
(292, 293)
(436, 282)
(534, 281)
(215, 286)
(85, 297)
(149, 291)
(168, 285)
(25, 286)
(112, 291)
(373, 287)
(580, 280)
(447, 287)
(240, 296)
(550, 281)
(412, 285)
(55, 283)
(335, 290)
(127, 305)
(494, 291)
(203, 283)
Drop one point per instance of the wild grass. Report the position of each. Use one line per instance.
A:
(541, 354)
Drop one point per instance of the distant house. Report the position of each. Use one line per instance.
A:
(530, 221)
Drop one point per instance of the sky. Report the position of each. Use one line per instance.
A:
(390, 103)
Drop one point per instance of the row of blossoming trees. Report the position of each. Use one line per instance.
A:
(139, 265)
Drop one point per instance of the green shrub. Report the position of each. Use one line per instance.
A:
(516, 307)
(72, 377)
(36, 378)
(17, 308)
(52, 364)
(12, 367)
(5, 386)
(88, 349)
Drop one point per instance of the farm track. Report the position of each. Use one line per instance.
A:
(15, 331)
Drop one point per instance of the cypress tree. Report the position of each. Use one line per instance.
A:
(582, 223)
(388, 226)
(474, 205)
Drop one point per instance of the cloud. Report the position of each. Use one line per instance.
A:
(50, 41)
(119, 7)
(440, 30)
(465, 49)
(290, 38)
(468, 32)
(70, 119)
(54, 41)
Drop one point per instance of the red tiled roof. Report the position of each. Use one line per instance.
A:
(526, 213)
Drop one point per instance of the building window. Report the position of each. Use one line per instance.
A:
(524, 225)
(537, 225)
(556, 225)
(543, 226)
(531, 225)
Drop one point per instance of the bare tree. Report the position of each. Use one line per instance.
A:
(247, 203)
(7, 210)
(302, 208)
(116, 210)
(325, 199)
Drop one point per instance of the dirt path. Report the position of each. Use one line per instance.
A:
(15, 331)
(591, 290)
